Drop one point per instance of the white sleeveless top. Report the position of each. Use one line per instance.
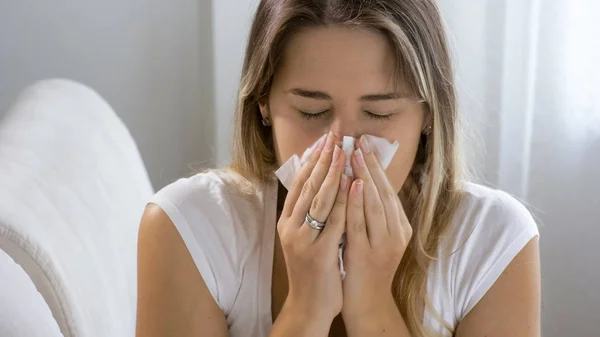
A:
(231, 240)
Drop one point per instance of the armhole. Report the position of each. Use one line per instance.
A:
(494, 272)
(192, 244)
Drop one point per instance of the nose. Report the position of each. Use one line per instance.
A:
(343, 126)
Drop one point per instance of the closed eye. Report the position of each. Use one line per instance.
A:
(310, 115)
(377, 116)
(318, 115)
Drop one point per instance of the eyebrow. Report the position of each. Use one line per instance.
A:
(310, 94)
(324, 96)
(381, 97)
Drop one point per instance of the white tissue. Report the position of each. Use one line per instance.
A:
(382, 147)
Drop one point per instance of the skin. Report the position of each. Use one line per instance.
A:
(334, 61)
(338, 70)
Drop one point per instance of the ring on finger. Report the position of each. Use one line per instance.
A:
(314, 224)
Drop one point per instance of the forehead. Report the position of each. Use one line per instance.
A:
(334, 56)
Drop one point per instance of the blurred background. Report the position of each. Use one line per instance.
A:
(527, 75)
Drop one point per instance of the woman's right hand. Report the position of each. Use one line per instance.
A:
(311, 256)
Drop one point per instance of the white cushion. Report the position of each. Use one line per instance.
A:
(72, 191)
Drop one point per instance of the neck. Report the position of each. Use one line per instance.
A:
(281, 195)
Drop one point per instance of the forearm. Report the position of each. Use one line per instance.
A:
(294, 323)
(386, 321)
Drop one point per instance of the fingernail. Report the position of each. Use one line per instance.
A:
(336, 155)
(359, 186)
(318, 147)
(316, 152)
(364, 144)
(359, 158)
(321, 143)
(329, 144)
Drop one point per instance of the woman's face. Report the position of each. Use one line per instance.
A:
(339, 79)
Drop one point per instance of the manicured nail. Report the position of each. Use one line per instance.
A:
(364, 144)
(359, 186)
(359, 158)
(344, 183)
(336, 155)
(315, 152)
(329, 144)
(321, 143)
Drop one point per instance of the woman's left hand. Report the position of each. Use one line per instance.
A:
(378, 232)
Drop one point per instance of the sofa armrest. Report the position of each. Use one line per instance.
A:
(23, 311)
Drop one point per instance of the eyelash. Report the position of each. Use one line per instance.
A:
(309, 116)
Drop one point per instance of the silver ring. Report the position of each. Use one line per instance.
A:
(314, 224)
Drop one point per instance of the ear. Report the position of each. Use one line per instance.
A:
(428, 117)
(263, 106)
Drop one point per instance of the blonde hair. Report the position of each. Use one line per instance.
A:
(415, 30)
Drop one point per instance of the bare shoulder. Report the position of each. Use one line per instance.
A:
(512, 305)
(173, 299)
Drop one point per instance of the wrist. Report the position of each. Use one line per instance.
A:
(381, 320)
(378, 308)
(376, 303)
(301, 320)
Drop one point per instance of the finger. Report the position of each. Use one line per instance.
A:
(374, 212)
(313, 184)
(336, 222)
(300, 179)
(405, 226)
(309, 151)
(324, 200)
(388, 197)
(356, 228)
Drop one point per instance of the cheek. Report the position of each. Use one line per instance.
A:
(290, 140)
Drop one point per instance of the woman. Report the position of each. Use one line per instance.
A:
(427, 254)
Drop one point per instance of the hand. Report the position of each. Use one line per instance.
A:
(378, 233)
(315, 286)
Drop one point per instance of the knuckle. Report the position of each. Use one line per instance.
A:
(323, 160)
(356, 207)
(309, 187)
(282, 227)
(395, 249)
(374, 208)
(298, 181)
(318, 204)
(340, 201)
(389, 195)
(334, 219)
(359, 226)
(303, 176)
(286, 244)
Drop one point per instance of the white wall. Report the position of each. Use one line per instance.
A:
(151, 59)
(538, 119)
(231, 25)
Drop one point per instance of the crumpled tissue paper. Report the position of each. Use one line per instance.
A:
(385, 152)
